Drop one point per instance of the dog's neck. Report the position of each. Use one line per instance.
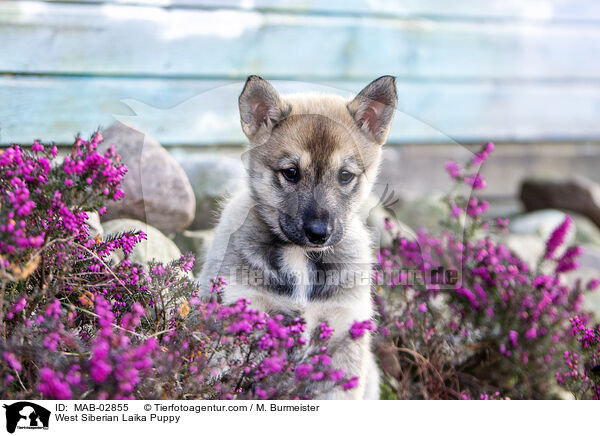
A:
(300, 272)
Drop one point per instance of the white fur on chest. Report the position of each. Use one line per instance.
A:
(339, 311)
(294, 262)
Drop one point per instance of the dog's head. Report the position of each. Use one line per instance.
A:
(313, 158)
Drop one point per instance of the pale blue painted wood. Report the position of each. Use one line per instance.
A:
(199, 112)
(469, 70)
(534, 10)
(60, 38)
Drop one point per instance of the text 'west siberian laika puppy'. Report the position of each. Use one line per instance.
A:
(293, 242)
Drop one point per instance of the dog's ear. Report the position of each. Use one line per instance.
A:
(260, 107)
(373, 108)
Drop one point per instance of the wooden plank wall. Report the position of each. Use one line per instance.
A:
(468, 70)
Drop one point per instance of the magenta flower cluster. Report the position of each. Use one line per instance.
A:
(36, 195)
(115, 362)
(581, 371)
(460, 315)
(455, 291)
(236, 352)
(78, 323)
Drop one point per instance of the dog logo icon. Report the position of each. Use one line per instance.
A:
(26, 415)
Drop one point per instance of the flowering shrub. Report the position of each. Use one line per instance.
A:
(77, 324)
(460, 315)
(582, 377)
(463, 316)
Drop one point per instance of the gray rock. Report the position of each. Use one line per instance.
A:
(94, 222)
(156, 247)
(157, 190)
(541, 223)
(589, 268)
(196, 242)
(586, 232)
(375, 215)
(576, 194)
(529, 233)
(213, 178)
(425, 212)
(529, 247)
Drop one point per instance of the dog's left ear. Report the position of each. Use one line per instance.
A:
(261, 109)
(373, 108)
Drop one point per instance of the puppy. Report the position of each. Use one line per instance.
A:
(293, 242)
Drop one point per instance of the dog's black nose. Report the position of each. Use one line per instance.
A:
(316, 231)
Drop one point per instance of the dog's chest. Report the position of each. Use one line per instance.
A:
(319, 288)
(307, 277)
(294, 273)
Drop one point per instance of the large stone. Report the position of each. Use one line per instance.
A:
(426, 212)
(196, 242)
(541, 223)
(589, 268)
(93, 221)
(156, 188)
(375, 214)
(156, 246)
(586, 232)
(577, 194)
(529, 247)
(213, 177)
(529, 233)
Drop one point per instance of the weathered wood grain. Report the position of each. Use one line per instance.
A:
(537, 10)
(112, 39)
(199, 112)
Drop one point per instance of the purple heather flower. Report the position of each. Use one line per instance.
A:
(476, 181)
(303, 371)
(187, 262)
(476, 207)
(53, 309)
(557, 238)
(512, 336)
(273, 364)
(456, 211)
(483, 154)
(217, 284)
(453, 169)
(532, 333)
(351, 384)
(260, 393)
(158, 269)
(469, 295)
(17, 307)
(12, 361)
(325, 331)
(336, 375)
(567, 261)
(592, 285)
(359, 328)
(37, 146)
(53, 386)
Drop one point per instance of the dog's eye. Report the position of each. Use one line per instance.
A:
(345, 176)
(291, 174)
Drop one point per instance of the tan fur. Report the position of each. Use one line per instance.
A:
(261, 228)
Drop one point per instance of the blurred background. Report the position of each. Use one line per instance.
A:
(524, 74)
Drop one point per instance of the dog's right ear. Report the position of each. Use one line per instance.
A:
(373, 108)
(261, 109)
